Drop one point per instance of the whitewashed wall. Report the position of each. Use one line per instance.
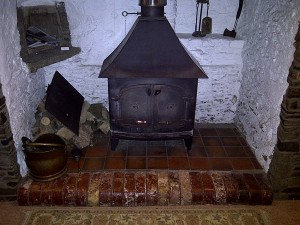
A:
(98, 27)
(21, 90)
(268, 28)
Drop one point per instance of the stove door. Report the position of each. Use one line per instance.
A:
(170, 108)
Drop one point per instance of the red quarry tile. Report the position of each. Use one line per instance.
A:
(209, 194)
(140, 189)
(174, 184)
(197, 151)
(34, 195)
(249, 152)
(136, 163)
(72, 165)
(121, 152)
(222, 164)
(242, 164)
(256, 164)
(199, 163)
(105, 195)
(178, 163)
(46, 193)
(129, 189)
(58, 191)
(226, 132)
(198, 141)
(118, 189)
(96, 151)
(176, 151)
(237, 151)
(136, 151)
(211, 141)
(231, 141)
(70, 190)
(81, 198)
(151, 189)
(93, 164)
(157, 163)
(115, 163)
(219, 187)
(196, 187)
(215, 151)
(156, 151)
(208, 132)
(243, 141)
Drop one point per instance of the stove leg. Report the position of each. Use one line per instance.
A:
(114, 143)
(188, 143)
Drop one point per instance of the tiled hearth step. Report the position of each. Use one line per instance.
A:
(147, 188)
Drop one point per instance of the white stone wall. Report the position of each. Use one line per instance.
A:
(21, 89)
(268, 28)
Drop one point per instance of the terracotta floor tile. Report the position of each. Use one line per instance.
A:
(96, 151)
(256, 163)
(93, 164)
(231, 141)
(199, 163)
(226, 132)
(215, 151)
(136, 163)
(114, 163)
(136, 151)
(242, 164)
(197, 151)
(211, 141)
(117, 153)
(220, 164)
(198, 141)
(72, 164)
(237, 151)
(243, 141)
(156, 151)
(208, 132)
(249, 152)
(175, 143)
(176, 151)
(157, 163)
(178, 163)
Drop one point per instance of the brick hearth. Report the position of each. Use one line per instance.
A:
(151, 188)
(220, 169)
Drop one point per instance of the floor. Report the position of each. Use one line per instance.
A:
(220, 147)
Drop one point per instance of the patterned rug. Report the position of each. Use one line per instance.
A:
(148, 216)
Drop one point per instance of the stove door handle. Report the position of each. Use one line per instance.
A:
(157, 92)
(148, 91)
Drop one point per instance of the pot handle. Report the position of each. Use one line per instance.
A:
(34, 144)
(25, 140)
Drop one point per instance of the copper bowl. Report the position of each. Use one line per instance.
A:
(46, 157)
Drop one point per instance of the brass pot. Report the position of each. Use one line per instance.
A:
(46, 157)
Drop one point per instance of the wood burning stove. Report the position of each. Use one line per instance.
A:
(152, 81)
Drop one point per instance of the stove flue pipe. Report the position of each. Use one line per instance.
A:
(152, 8)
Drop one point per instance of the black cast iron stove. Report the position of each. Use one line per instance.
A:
(152, 81)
